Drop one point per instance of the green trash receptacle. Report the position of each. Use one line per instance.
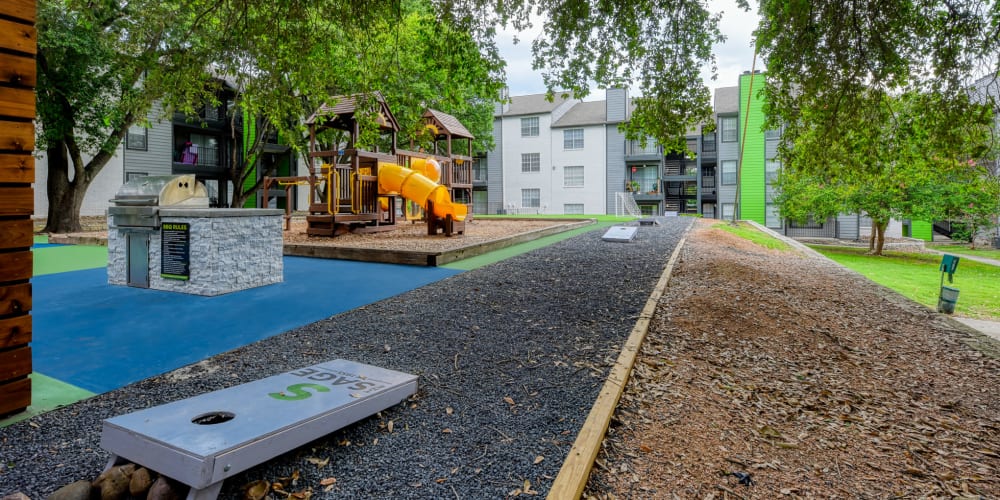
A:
(947, 299)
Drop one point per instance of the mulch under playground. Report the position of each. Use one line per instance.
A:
(510, 358)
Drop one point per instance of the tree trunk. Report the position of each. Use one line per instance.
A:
(871, 238)
(65, 195)
(880, 240)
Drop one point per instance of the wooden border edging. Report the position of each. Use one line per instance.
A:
(575, 471)
(418, 258)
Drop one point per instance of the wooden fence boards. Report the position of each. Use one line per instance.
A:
(20, 9)
(15, 331)
(18, 46)
(15, 299)
(15, 266)
(16, 70)
(18, 233)
(17, 37)
(18, 103)
(19, 169)
(17, 137)
(17, 201)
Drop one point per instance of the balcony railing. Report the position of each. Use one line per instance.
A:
(680, 167)
(206, 157)
(708, 181)
(633, 148)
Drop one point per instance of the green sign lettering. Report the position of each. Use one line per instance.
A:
(298, 391)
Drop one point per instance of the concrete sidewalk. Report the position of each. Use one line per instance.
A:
(983, 260)
(991, 328)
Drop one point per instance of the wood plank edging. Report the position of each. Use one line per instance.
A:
(575, 471)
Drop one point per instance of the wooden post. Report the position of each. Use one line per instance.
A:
(17, 172)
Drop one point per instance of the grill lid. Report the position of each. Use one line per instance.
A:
(163, 191)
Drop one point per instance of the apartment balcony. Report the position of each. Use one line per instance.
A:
(673, 167)
(205, 161)
(647, 196)
(479, 176)
(634, 151)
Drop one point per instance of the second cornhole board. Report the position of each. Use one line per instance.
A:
(200, 441)
(623, 234)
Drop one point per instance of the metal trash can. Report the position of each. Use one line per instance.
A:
(947, 299)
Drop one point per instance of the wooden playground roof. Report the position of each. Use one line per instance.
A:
(341, 114)
(448, 124)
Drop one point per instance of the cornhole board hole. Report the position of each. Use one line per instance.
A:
(622, 234)
(203, 440)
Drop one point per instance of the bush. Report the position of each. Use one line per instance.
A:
(961, 232)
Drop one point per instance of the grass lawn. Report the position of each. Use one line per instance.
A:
(963, 249)
(748, 232)
(916, 276)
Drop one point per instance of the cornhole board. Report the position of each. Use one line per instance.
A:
(622, 234)
(203, 440)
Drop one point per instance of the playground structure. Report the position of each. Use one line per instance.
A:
(361, 191)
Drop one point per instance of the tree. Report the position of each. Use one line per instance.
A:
(842, 55)
(413, 59)
(903, 161)
(102, 64)
(100, 67)
(658, 46)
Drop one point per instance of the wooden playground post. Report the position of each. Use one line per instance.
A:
(17, 173)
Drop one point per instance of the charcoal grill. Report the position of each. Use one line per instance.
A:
(137, 203)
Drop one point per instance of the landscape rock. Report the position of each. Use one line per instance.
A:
(79, 490)
(112, 484)
(140, 483)
(164, 489)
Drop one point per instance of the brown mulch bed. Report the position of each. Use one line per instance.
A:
(413, 235)
(804, 380)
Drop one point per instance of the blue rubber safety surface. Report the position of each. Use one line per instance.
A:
(101, 337)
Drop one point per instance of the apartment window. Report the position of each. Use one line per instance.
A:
(771, 169)
(573, 138)
(531, 198)
(708, 142)
(530, 162)
(728, 172)
(728, 129)
(772, 135)
(573, 176)
(771, 217)
(136, 138)
(134, 175)
(529, 127)
(573, 209)
(727, 211)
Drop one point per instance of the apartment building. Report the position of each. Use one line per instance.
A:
(551, 157)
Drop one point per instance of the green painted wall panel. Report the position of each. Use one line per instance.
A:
(752, 180)
(922, 230)
(249, 132)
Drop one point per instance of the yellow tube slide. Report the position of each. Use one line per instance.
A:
(412, 185)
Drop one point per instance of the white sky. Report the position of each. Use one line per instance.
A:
(733, 56)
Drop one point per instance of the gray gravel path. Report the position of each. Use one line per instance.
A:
(541, 329)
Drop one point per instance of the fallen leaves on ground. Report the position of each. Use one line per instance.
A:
(768, 374)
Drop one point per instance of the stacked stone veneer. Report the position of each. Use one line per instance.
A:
(231, 250)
